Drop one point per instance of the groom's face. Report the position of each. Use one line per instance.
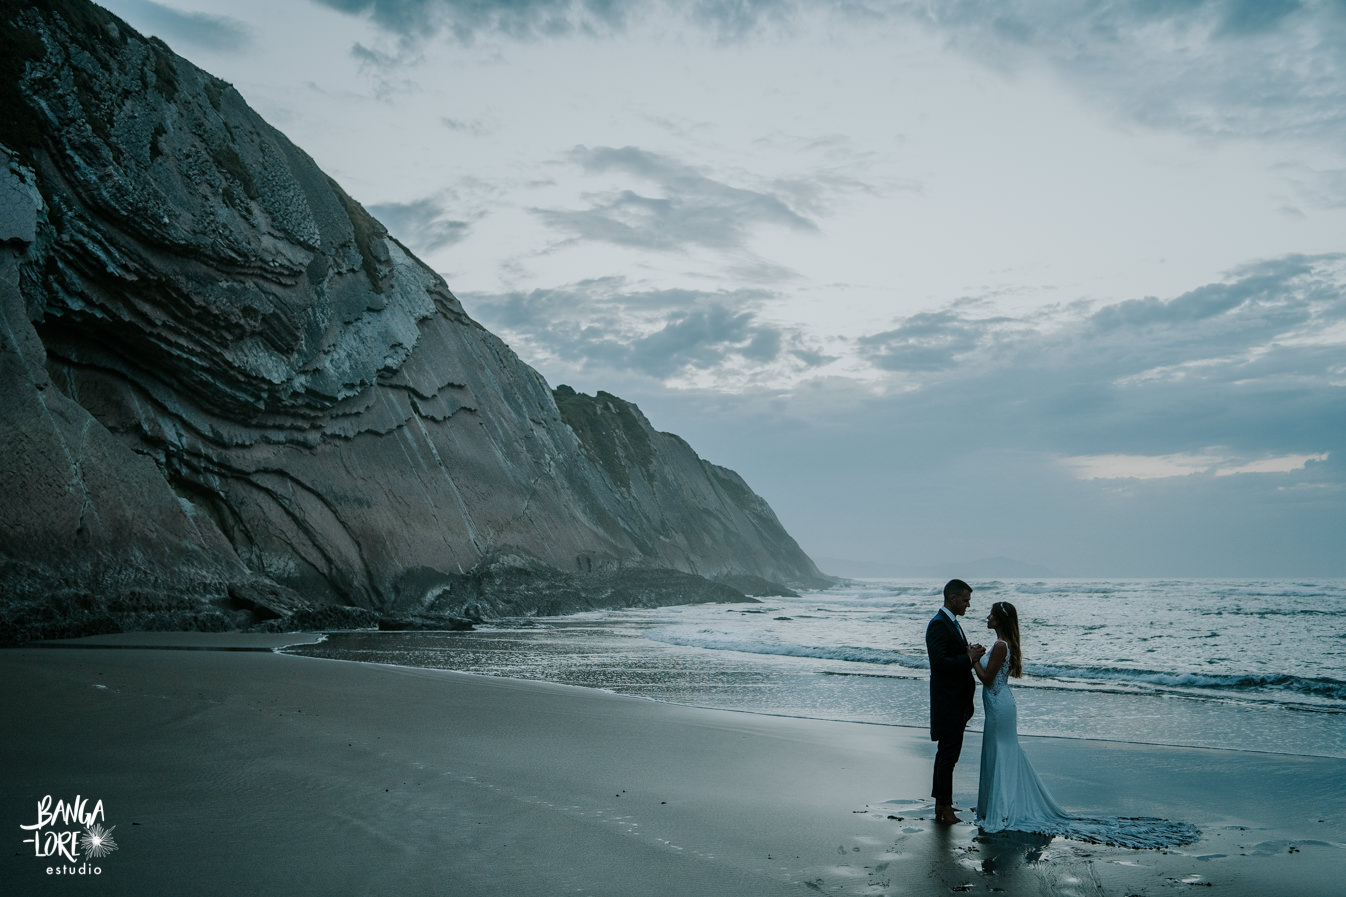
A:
(959, 603)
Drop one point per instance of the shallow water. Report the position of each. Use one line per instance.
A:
(1254, 665)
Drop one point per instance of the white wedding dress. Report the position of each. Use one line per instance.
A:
(1011, 797)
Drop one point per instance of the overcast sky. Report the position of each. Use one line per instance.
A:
(1061, 282)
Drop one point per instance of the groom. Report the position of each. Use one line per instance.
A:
(952, 688)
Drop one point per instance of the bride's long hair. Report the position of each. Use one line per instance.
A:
(1007, 626)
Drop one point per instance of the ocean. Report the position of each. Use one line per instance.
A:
(1255, 665)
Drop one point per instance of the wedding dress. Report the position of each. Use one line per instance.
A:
(1011, 797)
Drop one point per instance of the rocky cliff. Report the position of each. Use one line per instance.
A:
(230, 396)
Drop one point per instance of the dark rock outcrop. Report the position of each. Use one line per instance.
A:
(230, 397)
(687, 512)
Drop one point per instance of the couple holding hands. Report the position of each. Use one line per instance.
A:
(1010, 796)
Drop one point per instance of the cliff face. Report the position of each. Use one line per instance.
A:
(689, 513)
(224, 380)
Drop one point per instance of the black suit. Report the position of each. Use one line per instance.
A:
(952, 688)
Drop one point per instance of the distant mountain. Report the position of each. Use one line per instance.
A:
(982, 568)
(231, 396)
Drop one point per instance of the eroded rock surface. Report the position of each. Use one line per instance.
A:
(230, 396)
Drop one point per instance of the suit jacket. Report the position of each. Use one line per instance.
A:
(952, 686)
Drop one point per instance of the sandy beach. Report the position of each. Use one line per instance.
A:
(223, 768)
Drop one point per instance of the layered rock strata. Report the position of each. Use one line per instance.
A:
(230, 395)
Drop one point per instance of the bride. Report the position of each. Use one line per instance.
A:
(1010, 796)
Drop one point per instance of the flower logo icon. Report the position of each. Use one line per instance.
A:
(96, 842)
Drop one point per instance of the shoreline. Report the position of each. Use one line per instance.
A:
(280, 643)
(226, 771)
(625, 663)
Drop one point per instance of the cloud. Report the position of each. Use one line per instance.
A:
(387, 69)
(1317, 189)
(420, 224)
(683, 207)
(1240, 330)
(465, 19)
(1197, 434)
(1283, 464)
(475, 128)
(1241, 18)
(1248, 68)
(1140, 467)
(605, 326)
(1252, 364)
(1155, 467)
(1143, 389)
(930, 341)
(1212, 67)
(213, 32)
(701, 338)
(377, 60)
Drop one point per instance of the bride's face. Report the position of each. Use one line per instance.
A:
(990, 620)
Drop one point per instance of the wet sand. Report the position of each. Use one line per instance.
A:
(242, 771)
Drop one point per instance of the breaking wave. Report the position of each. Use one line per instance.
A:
(1269, 687)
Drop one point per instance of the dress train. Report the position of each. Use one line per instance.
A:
(1011, 796)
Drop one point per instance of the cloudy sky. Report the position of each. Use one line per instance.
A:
(1061, 282)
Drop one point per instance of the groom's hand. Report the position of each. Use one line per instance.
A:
(975, 652)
